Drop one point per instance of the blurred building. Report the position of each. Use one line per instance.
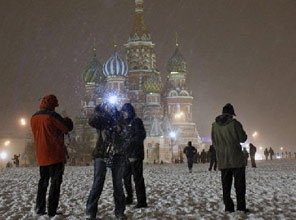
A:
(162, 100)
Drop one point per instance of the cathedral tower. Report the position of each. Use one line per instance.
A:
(140, 57)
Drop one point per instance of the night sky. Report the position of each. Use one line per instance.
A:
(243, 52)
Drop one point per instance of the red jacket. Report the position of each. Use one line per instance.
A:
(49, 128)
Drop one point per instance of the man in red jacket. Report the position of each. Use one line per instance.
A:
(49, 128)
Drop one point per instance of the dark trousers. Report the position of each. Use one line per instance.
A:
(55, 174)
(213, 163)
(253, 161)
(100, 170)
(190, 163)
(239, 176)
(136, 169)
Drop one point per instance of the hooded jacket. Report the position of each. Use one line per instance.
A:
(49, 128)
(227, 134)
(135, 136)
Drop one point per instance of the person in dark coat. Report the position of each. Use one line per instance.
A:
(213, 160)
(227, 134)
(197, 157)
(271, 153)
(190, 152)
(266, 153)
(108, 153)
(48, 128)
(252, 155)
(134, 145)
(246, 154)
(203, 156)
(16, 160)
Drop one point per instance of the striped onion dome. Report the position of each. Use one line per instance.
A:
(115, 66)
(153, 83)
(93, 71)
(176, 62)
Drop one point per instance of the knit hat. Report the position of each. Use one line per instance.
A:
(49, 102)
(228, 109)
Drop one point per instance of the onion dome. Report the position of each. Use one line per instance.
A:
(115, 66)
(176, 62)
(93, 72)
(153, 83)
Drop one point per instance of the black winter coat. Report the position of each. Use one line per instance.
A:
(108, 137)
(134, 138)
(190, 151)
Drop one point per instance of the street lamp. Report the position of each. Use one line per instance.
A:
(178, 115)
(3, 155)
(255, 134)
(6, 143)
(23, 122)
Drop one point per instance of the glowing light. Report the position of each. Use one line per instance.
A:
(23, 122)
(178, 115)
(3, 155)
(258, 156)
(255, 134)
(282, 148)
(260, 148)
(113, 99)
(6, 143)
(173, 134)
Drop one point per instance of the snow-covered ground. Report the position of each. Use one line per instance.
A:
(172, 193)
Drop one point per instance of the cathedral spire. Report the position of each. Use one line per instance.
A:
(94, 48)
(177, 43)
(139, 31)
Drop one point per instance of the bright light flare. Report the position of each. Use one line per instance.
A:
(173, 134)
(3, 155)
(179, 115)
(113, 99)
(255, 134)
(258, 156)
(6, 143)
(260, 148)
(282, 148)
(23, 122)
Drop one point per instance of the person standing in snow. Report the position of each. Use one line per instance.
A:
(271, 153)
(246, 154)
(16, 160)
(48, 129)
(266, 153)
(203, 156)
(252, 155)
(108, 153)
(213, 160)
(190, 153)
(134, 145)
(227, 134)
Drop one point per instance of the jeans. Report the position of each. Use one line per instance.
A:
(55, 174)
(239, 176)
(100, 170)
(135, 168)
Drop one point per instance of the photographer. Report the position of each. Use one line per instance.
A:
(107, 153)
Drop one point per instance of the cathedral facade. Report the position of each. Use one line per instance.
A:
(162, 100)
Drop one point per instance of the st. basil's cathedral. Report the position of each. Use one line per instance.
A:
(163, 103)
